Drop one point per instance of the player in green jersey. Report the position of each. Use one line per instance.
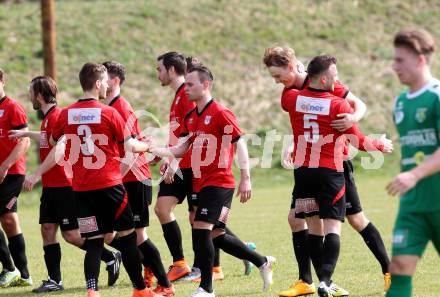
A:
(417, 118)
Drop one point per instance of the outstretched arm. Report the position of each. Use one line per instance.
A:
(16, 134)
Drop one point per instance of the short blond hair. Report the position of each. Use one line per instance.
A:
(278, 56)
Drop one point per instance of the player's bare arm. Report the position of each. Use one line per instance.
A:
(16, 134)
(244, 190)
(19, 150)
(348, 119)
(405, 181)
(53, 158)
(177, 151)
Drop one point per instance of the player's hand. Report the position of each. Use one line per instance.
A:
(287, 161)
(402, 183)
(346, 121)
(244, 190)
(15, 134)
(3, 173)
(154, 161)
(30, 181)
(387, 144)
(163, 167)
(169, 175)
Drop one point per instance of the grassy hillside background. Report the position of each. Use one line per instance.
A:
(229, 36)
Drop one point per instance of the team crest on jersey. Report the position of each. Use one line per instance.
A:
(421, 114)
(2, 112)
(45, 124)
(177, 100)
(84, 116)
(190, 120)
(313, 105)
(207, 120)
(398, 116)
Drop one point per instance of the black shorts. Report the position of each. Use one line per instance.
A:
(352, 201)
(325, 186)
(180, 188)
(214, 205)
(103, 211)
(58, 206)
(139, 196)
(10, 189)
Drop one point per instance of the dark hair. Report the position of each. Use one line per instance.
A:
(115, 69)
(418, 41)
(89, 74)
(2, 75)
(191, 62)
(174, 59)
(203, 72)
(319, 64)
(46, 87)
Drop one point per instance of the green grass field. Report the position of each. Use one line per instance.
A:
(262, 220)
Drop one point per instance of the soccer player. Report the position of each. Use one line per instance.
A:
(417, 118)
(57, 208)
(213, 134)
(286, 69)
(171, 68)
(93, 131)
(12, 172)
(137, 182)
(318, 156)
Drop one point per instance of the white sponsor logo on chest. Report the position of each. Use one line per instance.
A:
(84, 116)
(313, 105)
(2, 112)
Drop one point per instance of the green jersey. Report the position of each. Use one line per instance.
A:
(417, 117)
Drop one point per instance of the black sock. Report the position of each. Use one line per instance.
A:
(106, 255)
(91, 262)
(229, 232)
(173, 237)
(316, 243)
(330, 256)
(216, 257)
(17, 247)
(131, 260)
(375, 243)
(196, 263)
(152, 260)
(52, 257)
(237, 248)
(301, 249)
(5, 255)
(205, 251)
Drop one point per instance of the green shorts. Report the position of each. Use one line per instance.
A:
(413, 231)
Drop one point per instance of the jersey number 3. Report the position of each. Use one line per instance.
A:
(87, 145)
(312, 135)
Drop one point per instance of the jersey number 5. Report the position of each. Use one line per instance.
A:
(87, 145)
(313, 135)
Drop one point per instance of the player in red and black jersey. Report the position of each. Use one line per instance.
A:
(12, 171)
(93, 131)
(137, 182)
(318, 156)
(211, 132)
(287, 70)
(171, 70)
(58, 207)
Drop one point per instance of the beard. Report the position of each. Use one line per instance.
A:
(36, 105)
